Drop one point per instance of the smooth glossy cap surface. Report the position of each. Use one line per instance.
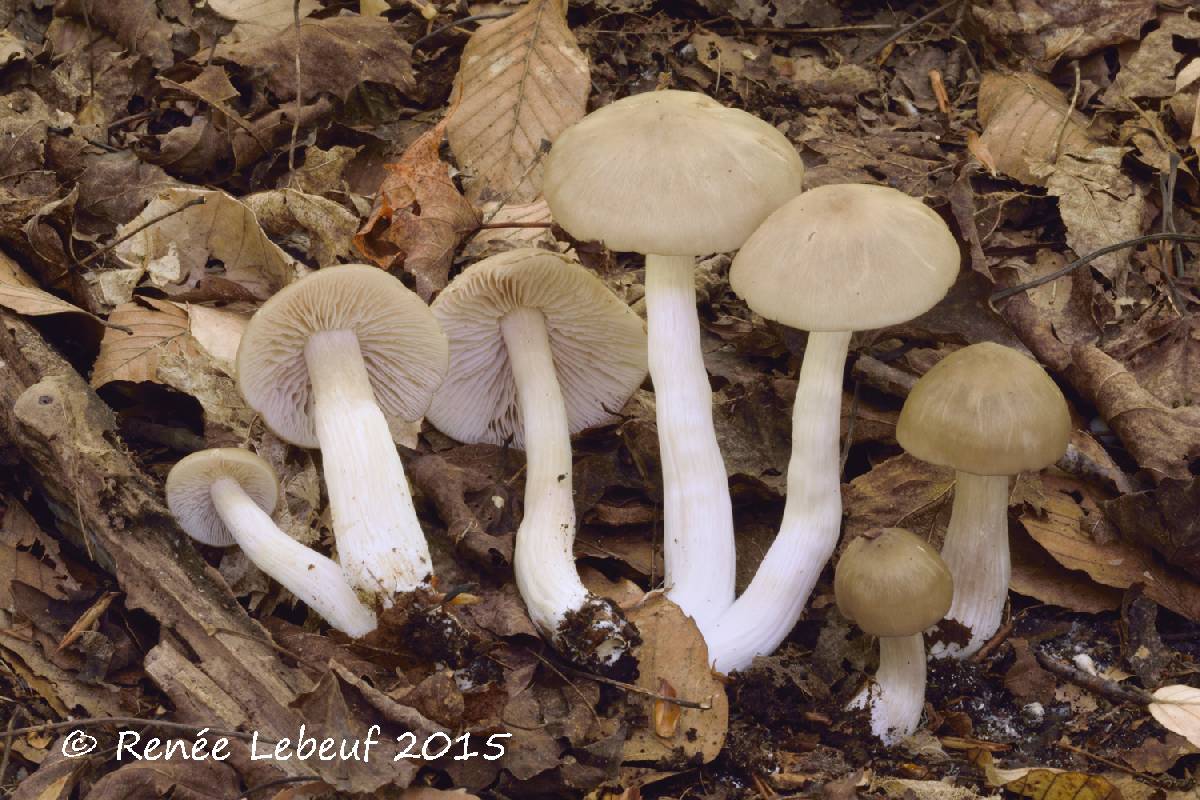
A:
(671, 173)
(986, 409)
(890, 582)
(846, 257)
(402, 346)
(598, 343)
(191, 479)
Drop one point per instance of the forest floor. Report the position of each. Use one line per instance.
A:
(166, 166)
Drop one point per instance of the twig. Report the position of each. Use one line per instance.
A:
(992, 644)
(629, 687)
(487, 226)
(1166, 185)
(901, 31)
(195, 201)
(278, 648)
(89, 617)
(567, 680)
(802, 32)
(154, 723)
(1095, 684)
(433, 34)
(1092, 256)
(1066, 120)
(299, 95)
(8, 736)
(1144, 778)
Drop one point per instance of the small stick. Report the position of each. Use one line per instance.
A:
(87, 620)
(487, 226)
(1092, 256)
(8, 736)
(1066, 120)
(299, 95)
(195, 201)
(473, 18)
(629, 687)
(1093, 683)
(921, 20)
(992, 643)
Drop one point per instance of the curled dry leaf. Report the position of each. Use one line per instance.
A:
(521, 82)
(1177, 708)
(673, 651)
(328, 227)
(1166, 519)
(419, 217)
(20, 293)
(222, 232)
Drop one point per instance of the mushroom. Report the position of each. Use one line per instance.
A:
(836, 259)
(988, 412)
(674, 175)
(541, 349)
(893, 585)
(323, 361)
(225, 496)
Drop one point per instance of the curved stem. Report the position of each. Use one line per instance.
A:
(773, 602)
(896, 697)
(310, 576)
(380, 544)
(698, 546)
(543, 560)
(976, 551)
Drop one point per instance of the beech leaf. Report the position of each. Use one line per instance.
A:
(1177, 708)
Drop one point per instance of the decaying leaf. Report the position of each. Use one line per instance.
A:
(1035, 574)
(531, 223)
(1177, 708)
(1166, 519)
(257, 19)
(1149, 71)
(20, 293)
(673, 651)
(521, 82)
(901, 492)
(288, 214)
(212, 250)
(1049, 30)
(419, 217)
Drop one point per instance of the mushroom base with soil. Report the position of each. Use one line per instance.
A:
(771, 605)
(896, 695)
(380, 544)
(698, 542)
(976, 551)
(589, 630)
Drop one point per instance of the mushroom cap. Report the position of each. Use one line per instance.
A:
(402, 346)
(190, 481)
(671, 173)
(846, 257)
(598, 344)
(890, 582)
(988, 410)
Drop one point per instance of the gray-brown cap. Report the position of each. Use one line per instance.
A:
(890, 582)
(190, 481)
(598, 343)
(988, 410)
(846, 257)
(402, 346)
(670, 173)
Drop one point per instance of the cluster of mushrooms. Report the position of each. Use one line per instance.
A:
(528, 347)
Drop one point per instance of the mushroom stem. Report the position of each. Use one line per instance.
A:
(310, 576)
(896, 696)
(976, 551)
(543, 559)
(380, 544)
(773, 602)
(698, 548)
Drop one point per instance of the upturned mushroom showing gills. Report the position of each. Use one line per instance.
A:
(540, 349)
(225, 496)
(893, 585)
(674, 175)
(988, 412)
(834, 260)
(323, 361)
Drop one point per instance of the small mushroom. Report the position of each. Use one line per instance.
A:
(988, 412)
(836, 259)
(323, 361)
(225, 496)
(541, 349)
(674, 175)
(893, 585)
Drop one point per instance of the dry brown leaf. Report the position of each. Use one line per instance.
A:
(1022, 116)
(1149, 71)
(177, 251)
(256, 19)
(521, 82)
(155, 327)
(419, 217)
(182, 780)
(494, 240)
(1177, 708)
(1035, 574)
(900, 492)
(1166, 519)
(1060, 529)
(328, 226)
(674, 651)
(1049, 30)
(19, 293)
(1052, 784)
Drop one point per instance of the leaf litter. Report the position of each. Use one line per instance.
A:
(1040, 131)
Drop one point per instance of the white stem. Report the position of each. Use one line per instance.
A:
(976, 551)
(896, 696)
(698, 546)
(773, 602)
(310, 576)
(380, 544)
(543, 560)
